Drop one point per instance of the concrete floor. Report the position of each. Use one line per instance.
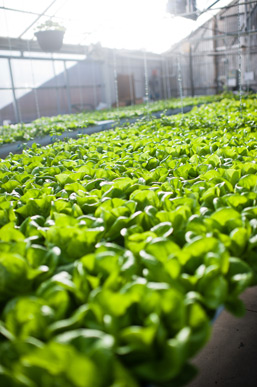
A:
(230, 358)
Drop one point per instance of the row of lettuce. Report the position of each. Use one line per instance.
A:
(117, 249)
(61, 123)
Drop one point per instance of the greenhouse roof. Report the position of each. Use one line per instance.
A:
(127, 24)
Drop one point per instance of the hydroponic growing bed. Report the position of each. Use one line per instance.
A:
(57, 125)
(117, 249)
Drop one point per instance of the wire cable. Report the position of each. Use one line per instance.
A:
(239, 57)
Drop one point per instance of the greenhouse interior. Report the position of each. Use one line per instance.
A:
(128, 195)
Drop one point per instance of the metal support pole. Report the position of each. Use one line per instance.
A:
(191, 71)
(15, 102)
(115, 76)
(67, 87)
(81, 100)
(146, 85)
(56, 88)
(94, 83)
(106, 78)
(168, 78)
(215, 58)
(163, 88)
(248, 46)
(180, 84)
(239, 58)
(131, 83)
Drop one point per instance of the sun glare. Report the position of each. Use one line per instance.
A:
(130, 24)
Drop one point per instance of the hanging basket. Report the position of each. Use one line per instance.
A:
(50, 40)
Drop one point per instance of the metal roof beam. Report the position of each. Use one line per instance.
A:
(222, 36)
(21, 11)
(226, 7)
(35, 57)
(23, 44)
(229, 35)
(37, 18)
(72, 49)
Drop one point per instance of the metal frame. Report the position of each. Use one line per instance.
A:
(18, 45)
(21, 45)
(42, 58)
(49, 87)
(28, 12)
(226, 7)
(13, 88)
(37, 18)
(66, 86)
(15, 102)
(221, 36)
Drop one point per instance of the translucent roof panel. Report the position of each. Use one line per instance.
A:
(13, 23)
(132, 24)
(25, 5)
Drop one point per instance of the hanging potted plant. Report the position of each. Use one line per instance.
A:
(50, 36)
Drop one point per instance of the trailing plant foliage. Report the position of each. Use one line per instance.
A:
(117, 249)
(50, 25)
